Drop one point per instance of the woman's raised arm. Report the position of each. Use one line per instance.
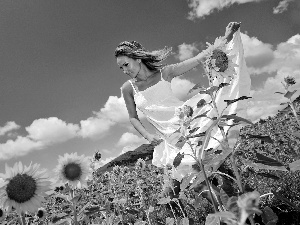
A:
(174, 70)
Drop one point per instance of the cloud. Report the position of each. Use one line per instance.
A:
(48, 131)
(95, 127)
(129, 139)
(186, 51)
(129, 148)
(115, 109)
(181, 88)
(9, 126)
(114, 112)
(257, 54)
(51, 130)
(102, 162)
(286, 58)
(201, 8)
(19, 147)
(130, 142)
(282, 6)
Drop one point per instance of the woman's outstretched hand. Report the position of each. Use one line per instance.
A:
(154, 139)
(231, 28)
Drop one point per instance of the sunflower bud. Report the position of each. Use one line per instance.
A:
(188, 110)
(97, 156)
(289, 80)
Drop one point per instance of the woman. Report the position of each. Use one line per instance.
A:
(149, 89)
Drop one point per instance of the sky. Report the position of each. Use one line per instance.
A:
(60, 84)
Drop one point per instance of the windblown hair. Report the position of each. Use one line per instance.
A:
(135, 50)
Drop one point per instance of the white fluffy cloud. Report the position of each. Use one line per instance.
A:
(102, 162)
(282, 6)
(257, 53)
(186, 51)
(51, 130)
(95, 127)
(115, 109)
(285, 62)
(19, 147)
(181, 87)
(9, 126)
(48, 131)
(201, 8)
(129, 148)
(129, 139)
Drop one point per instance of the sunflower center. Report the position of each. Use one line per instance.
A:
(221, 59)
(40, 213)
(21, 188)
(72, 171)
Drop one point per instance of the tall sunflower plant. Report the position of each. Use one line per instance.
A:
(74, 171)
(233, 210)
(23, 189)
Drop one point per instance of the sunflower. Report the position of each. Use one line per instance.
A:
(41, 213)
(2, 215)
(248, 204)
(23, 188)
(73, 170)
(219, 60)
(140, 164)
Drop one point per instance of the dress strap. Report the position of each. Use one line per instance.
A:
(133, 86)
(161, 76)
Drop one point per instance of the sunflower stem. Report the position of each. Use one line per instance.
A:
(22, 217)
(74, 207)
(294, 112)
(208, 185)
(234, 166)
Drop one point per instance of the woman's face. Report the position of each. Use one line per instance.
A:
(129, 66)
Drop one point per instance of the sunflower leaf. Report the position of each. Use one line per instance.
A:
(197, 86)
(262, 138)
(59, 217)
(284, 103)
(294, 166)
(236, 119)
(62, 196)
(268, 175)
(201, 103)
(93, 210)
(285, 200)
(164, 201)
(209, 90)
(268, 216)
(201, 115)
(266, 160)
(178, 159)
(229, 102)
(289, 94)
(297, 134)
(76, 199)
(223, 85)
(202, 134)
(277, 92)
(181, 141)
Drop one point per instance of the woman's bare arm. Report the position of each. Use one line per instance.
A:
(174, 70)
(127, 92)
(131, 108)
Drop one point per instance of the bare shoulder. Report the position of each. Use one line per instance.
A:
(167, 72)
(127, 89)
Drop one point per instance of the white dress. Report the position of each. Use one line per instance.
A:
(158, 104)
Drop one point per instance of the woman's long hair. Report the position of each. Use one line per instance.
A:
(135, 50)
